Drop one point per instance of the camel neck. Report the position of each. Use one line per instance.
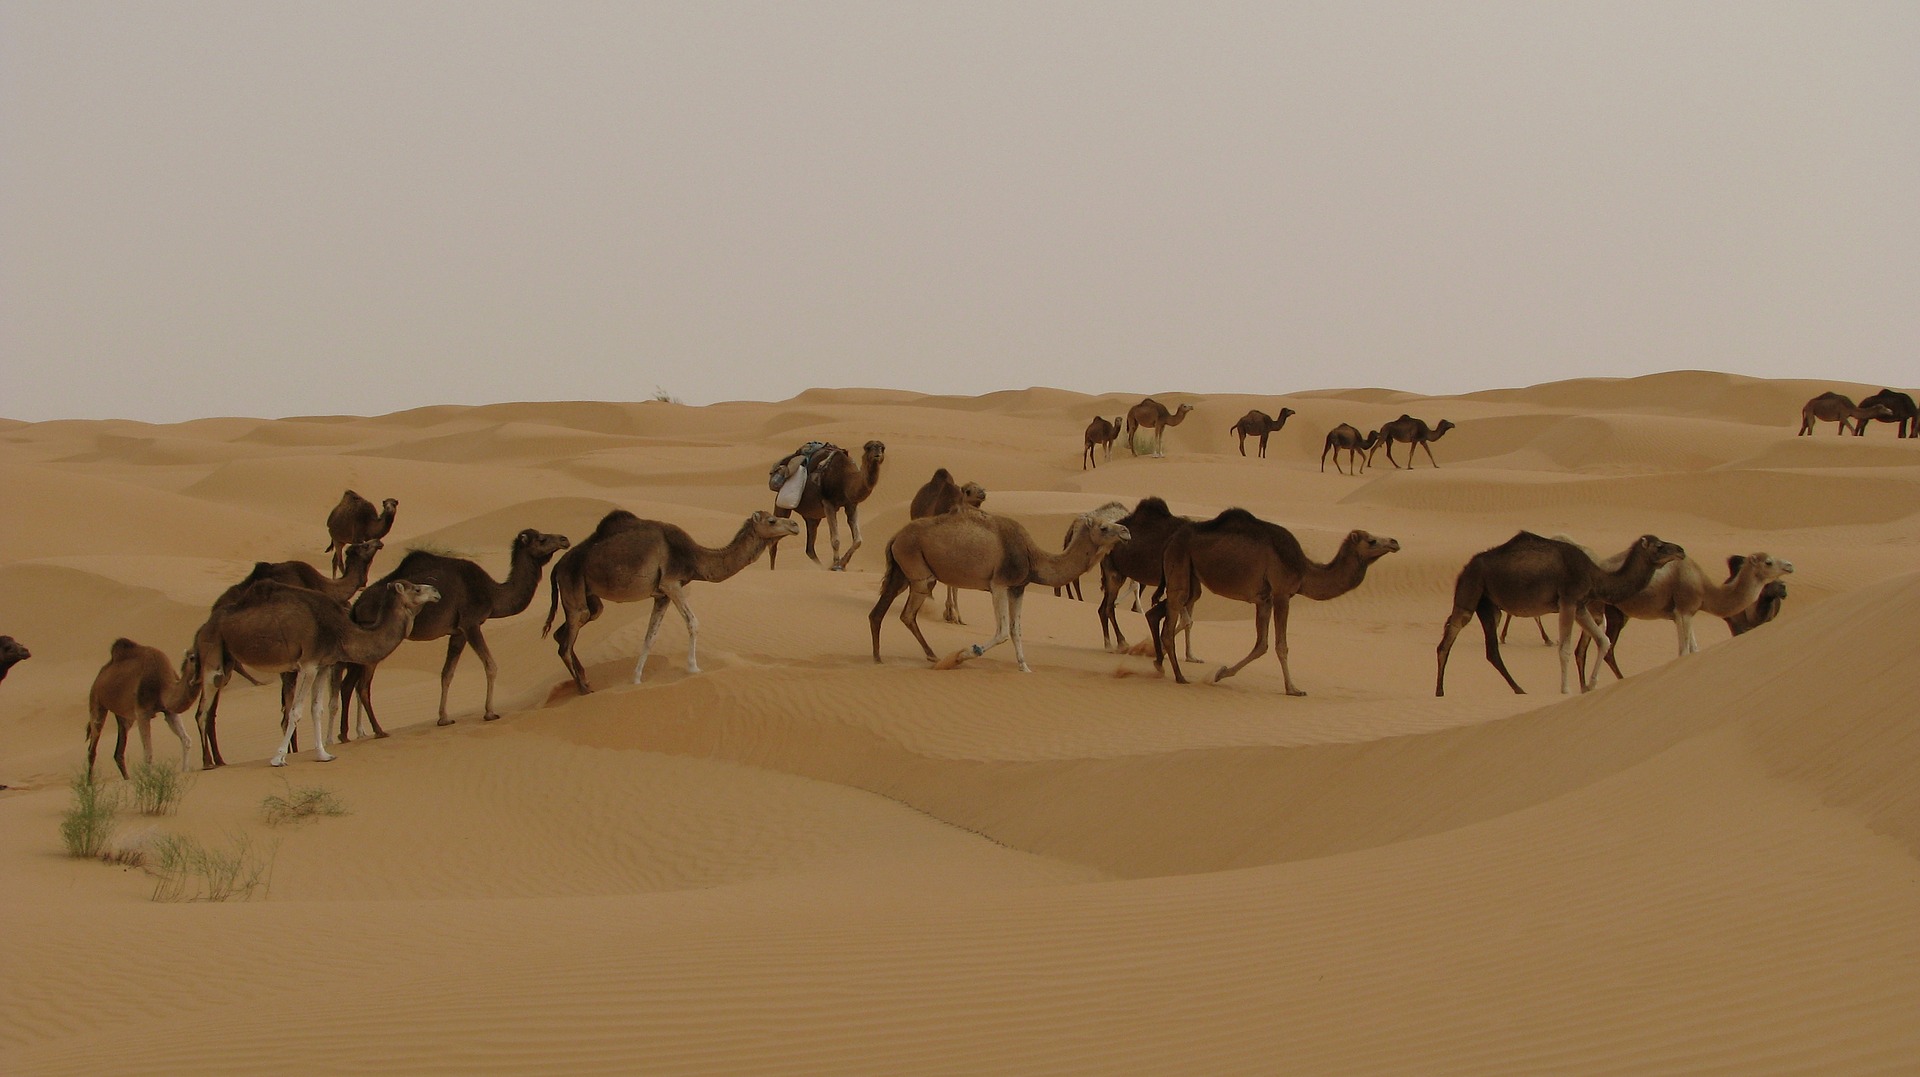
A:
(516, 592)
(712, 565)
(1335, 578)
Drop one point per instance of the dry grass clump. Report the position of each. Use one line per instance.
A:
(303, 803)
(185, 870)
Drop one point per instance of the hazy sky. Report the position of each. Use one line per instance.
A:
(281, 208)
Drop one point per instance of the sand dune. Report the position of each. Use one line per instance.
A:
(796, 861)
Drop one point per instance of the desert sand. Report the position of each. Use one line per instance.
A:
(797, 861)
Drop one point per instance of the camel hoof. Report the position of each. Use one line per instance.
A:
(1220, 675)
(277, 761)
(489, 717)
(323, 759)
(444, 721)
(951, 661)
(1295, 692)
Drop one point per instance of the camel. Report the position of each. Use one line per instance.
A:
(1840, 409)
(1528, 576)
(353, 575)
(1237, 555)
(1415, 433)
(355, 520)
(1259, 424)
(12, 653)
(1140, 559)
(1152, 415)
(1679, 590)
(838, 485)
(1905, 415)
(972, 549)
(1765, 609)
(1347, 437)
(468, 599)
(1112, 510)
(137, 683)
(628, 559)
(942, 494)
(1099, 432)
(277, 629)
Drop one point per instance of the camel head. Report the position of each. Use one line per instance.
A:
(1117, 420)
(874, 452)
(1663, 552)
(11, 654)
(1372, 439)
(412, 596)
(364, 551)
(770, 527)
(1182, 410)
(1766, 566)
(972, 494)
(1105, 532)
(1371, 547)
(541, 545)
(1445, 425)
(387, 506)
(1286, 413)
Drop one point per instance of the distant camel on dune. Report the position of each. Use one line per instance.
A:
(353, 520)
(1346, 438)
(942, 494)
(1150, 414)
(1415, 433)
(1099, 432)
(1903, 414)
(1840, 409)
(1258, 424)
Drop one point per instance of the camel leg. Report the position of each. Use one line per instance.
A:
(565, 637)
(1281, 607)
(120, 746)
(653, 629)
(1156, 624)
(145, 725)
(486, 661)
(211, 681)
(1014, 599)
(1002, 628)
(1394, 462)
(1683, 628)
(917, 595)
(1427, 446)
(1593, 629)
(96, 724)
(693, 624)
(1110, 598)
(813, 533)
(303, 692)
(1262, 610)
(456, 642)
(952, 612)
(180, 730)
(890, 587)
(853, 539)
(833, 537)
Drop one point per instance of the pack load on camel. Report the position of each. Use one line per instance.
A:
(789, 477)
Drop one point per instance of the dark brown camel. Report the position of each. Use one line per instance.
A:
(1529, 576)
(1415, 433)
(12, 653)
(137, 683)
(1141, 559)
(942, 494)
(1099, 432)
(1258, 424)
(1905, 416)
(627, 559)
(355, 519)
(840, 485)
(1841, 410)
(1346, 437)
(341, 589)
(1150, 414)
(1237, 555)
(469, 598)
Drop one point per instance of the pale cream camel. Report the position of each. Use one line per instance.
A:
(1678, 591)
(137, 683)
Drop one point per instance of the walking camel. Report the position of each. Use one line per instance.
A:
(1150, 414)
(1141, 559)
(1099, 432)
(353, 520)
(1415, 433)
(1529, 576)
(274, 628)
(838, 485)
(1841, 410)
(1237, 555)
(1347, 437)
(1259, 424)
(1904, 414)
(972, 549)
(1677, 592)
(942, 494)
(469, 598)
(1112, 510)
(627, 559)
(137, 683)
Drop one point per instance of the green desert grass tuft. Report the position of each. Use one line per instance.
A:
(159, 788)
(87, 825)
(306, 802)
(185, 870)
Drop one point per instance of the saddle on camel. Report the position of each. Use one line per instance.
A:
(790, 476)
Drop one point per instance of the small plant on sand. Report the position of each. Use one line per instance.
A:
(303, 803)
(185, 870)
(87, 825)
(158, 788)
(665, 397)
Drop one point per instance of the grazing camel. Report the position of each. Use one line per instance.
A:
(468, 599)
(1679, 590)
(1415, 433)
(1259, 424)
(1347, 437)
(1765, 609)
(12, 653)
(1141, 559)
(1528, 576)
(972, 549)
(355, 520)
(1099, 432)
(1237, 555)
(629, 559)
(1905, 415)
(137, 683)
(278, 629)
(942, 494)
(835, 484)
(1840, 409)
(1152, 415)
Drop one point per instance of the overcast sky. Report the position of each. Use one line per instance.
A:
(280, 208)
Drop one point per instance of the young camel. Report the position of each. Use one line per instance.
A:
(942, 494)
(12, 653)
(1679, 590)
(1237, 555)
(1141, 559)
(1099, 432)
(353, 520)
(1347, 437)
(1417, 435)
(1529, 576)
(1153, 415)
(468, 599)
(137, 683)
(969, 548)
(839, 486)
(278, 629)
(630, 559)
(1902, 412)
(1259, 424)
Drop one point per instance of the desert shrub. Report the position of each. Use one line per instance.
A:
(185, 870)
(303, 803)
(158, 788)
(87, 825)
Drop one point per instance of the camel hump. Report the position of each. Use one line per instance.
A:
(123, 648)
(1232, 519)
(942, 476)
(1152, 508)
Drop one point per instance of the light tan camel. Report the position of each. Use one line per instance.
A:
(1840, 409)
(1529, 576)
(1901, 409)
(1415, 433)
(274, 628)
(1258, 424)
(1679, 590)
(840, 486)
(1112, 510)
(353, 520)
(137, 683)
(12, 653)
(1150, 414)
(633, 559)
(1099, 432)
(1347, 437)
(1765, 609)
(972, 549)
(469, 598)
(942, 494)
(1237, 555)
